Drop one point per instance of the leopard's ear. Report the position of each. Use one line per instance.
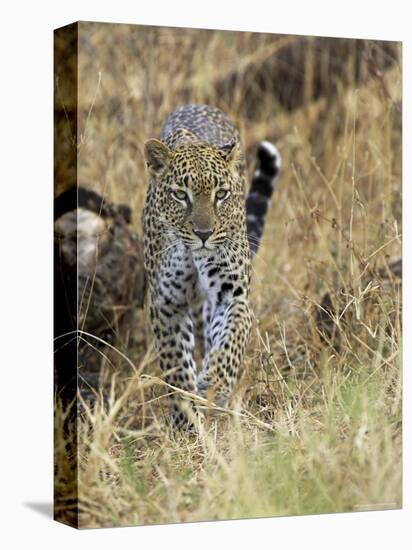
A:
(157, 156)
(232, 153)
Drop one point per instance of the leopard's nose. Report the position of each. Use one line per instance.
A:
(203, 235)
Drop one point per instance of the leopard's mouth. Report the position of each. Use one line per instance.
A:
(203, 246)
(209, 245)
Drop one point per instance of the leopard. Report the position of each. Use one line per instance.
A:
(201, 230)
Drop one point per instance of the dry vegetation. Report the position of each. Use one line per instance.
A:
(315, 425)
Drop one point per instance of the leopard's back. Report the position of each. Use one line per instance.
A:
(203, 123)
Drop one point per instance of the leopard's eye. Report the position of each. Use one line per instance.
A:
(179, 195)
(222, 194)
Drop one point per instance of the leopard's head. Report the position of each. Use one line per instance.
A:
(199, 191)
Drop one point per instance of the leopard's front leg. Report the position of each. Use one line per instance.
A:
(229, 331)
(171, 284)
(173, 332)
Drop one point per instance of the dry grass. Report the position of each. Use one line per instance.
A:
(316, 424)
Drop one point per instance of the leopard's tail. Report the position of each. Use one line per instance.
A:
(268, 163)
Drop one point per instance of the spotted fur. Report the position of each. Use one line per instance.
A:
(197, 254)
